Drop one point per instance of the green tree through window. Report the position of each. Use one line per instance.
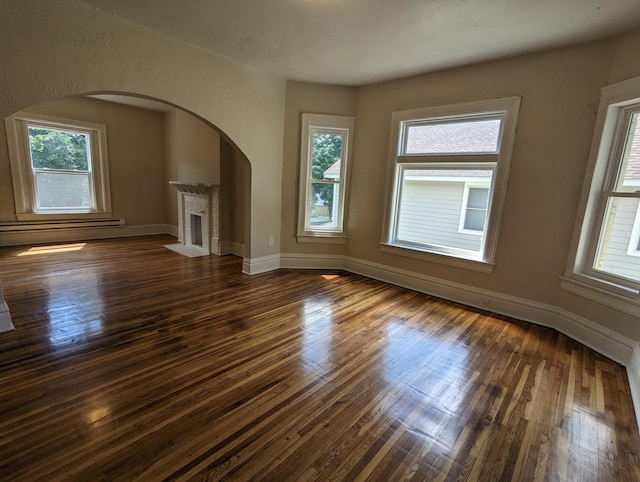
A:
(55, 149)
(327, 150)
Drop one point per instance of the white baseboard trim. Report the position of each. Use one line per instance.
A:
(263, 264)
(172, 230)
(633, 374)
(18, 238)
(316, 261)
(595, 336)
(231, 247)
(5, 318)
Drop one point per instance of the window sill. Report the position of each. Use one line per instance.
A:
(612, 295)
(322, 238)
(440, 258)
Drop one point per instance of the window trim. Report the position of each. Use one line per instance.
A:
(331, 124)
(22, 174)
(580, 277)
(507, 108)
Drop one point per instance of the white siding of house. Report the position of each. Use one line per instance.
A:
(430, 214)
(614, 257)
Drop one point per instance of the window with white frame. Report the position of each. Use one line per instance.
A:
(449, 168)
(474, 211)
(324, 166)
(59, 167)
(604, 262)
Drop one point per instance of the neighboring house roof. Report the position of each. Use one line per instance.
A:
(333, 172)
(454, 137)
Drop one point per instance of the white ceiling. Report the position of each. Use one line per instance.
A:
(355, 42)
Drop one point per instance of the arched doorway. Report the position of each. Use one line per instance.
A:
(149, 143)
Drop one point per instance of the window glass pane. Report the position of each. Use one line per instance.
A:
(469, 136)
(58, 149)
(430, 207)
(323, 208)
(63, 190)
(327, 151)
(613, 254)
(474, 221)
(478, 197)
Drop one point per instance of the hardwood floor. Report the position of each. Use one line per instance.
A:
(130, 361)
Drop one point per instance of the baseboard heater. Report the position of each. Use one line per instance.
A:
(49, 225)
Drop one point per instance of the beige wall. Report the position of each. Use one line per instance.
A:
(68, 48)
(314, 99)
(560, 91)
(136, 157)
(193, 155)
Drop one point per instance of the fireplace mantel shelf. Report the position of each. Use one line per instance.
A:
(193, 187)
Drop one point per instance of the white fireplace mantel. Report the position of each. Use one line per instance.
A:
(198, 215)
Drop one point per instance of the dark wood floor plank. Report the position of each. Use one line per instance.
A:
(130, 361)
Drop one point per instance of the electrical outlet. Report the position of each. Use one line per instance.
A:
(270, 240)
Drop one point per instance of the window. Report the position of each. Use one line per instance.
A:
(449, 168)
(605, 257)
(474, 214)
(58, 167)
(324, 161)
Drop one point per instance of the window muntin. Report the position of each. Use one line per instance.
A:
(59, 167)
(473, 146)
(324, 161)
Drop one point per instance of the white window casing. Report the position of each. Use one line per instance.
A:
(328, 226)
(23, 175)
(585, 274)
(466, 156)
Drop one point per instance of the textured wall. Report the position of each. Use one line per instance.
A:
(61, 48)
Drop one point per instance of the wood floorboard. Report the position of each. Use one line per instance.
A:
(132, 362)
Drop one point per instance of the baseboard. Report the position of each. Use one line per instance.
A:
(5, 318)
(316, 261)
(595, 336)
(172, 230)
(39, 236)
(633, 373)
(231, 247)
(263, 264)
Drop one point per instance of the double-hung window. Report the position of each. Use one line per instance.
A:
(324, 167)
(58, 167)
(605, 258)
(449, 168)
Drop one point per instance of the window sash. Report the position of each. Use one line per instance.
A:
(610, 192)
(437, 247)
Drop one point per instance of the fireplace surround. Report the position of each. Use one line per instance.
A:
(198, 215)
